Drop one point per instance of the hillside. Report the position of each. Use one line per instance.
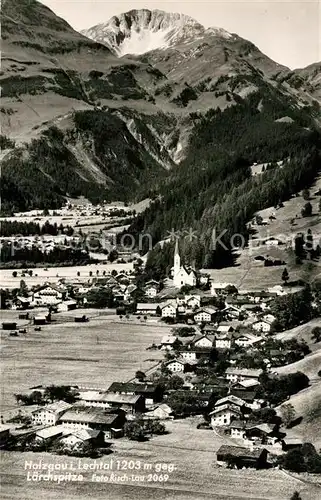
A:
(307, 403)
(185, 121)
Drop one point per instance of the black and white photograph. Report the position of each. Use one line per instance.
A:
(160, 250)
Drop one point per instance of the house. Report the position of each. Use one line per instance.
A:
(94, 437)
(230, 400)
(232, 312)
(180, 365)
(203, 341)
(151, 291)
(249, 383)
(289, 443)
(237, 374)
(242, 457)
(262, 325)
(49, 434)
(168, 310)
(168, 342)
(46, 295)
(219, 288)
(237, 429)
(147, 308)
(93, 418)
(151, 392)
(68, 305)
(224, 414)
(130, 403)
(50, 414)
(161, 412)
(182, 276)
(189, 355)
(246, 339)
(225, 328)
(205, 315)
(40, 319)
(224, 341)
(23, 302)
(265, 433)
(192, 301)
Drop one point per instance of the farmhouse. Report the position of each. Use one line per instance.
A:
(161, 412)
(205, 315)
(147, 308)
(47, 295)
(151, 291)
(151, 392)
(262, 325)
(237, 429)
(224, 341)
(264, 433)
(168, 342)
(203, 341)
(49, 433)
(224, 414)
(180, 365)
(82, 436)
(242, 457)
(92, 418)
(237, 374)
(68, 305)
(130, 403)
(192, 301)
(50, 414)
(169, 310)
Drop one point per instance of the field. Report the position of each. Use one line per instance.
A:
(53, 274)
(196, 475)
(93, 354)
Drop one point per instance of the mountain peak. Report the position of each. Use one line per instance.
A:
(140, 31)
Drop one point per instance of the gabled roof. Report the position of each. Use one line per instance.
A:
(247, 372)
(237, 451)
(89, 415)
(85, 434)
(50, 432)
(230, 399)
(131, 387)
(227, 407)
(147, 305)
(56, 407)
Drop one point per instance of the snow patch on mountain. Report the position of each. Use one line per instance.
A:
(140, 31)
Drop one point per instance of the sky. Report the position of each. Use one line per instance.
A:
(288, 31)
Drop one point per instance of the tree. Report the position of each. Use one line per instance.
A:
(135, 431)
(285, 276)
(296, 496)
(140, 375)
(23, 290)
(306, 210)
(100, 297)
(60, 393)
(306, 194)
(316, 334)
(14, 274)
(287, 414)
(155, 427)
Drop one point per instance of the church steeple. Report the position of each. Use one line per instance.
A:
(177, 259)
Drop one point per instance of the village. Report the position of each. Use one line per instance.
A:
(218, 361)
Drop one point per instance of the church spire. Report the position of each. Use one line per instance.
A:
(177, 259)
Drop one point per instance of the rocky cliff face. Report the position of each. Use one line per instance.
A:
(140, 31)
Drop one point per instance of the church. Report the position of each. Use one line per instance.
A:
(182, 275)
